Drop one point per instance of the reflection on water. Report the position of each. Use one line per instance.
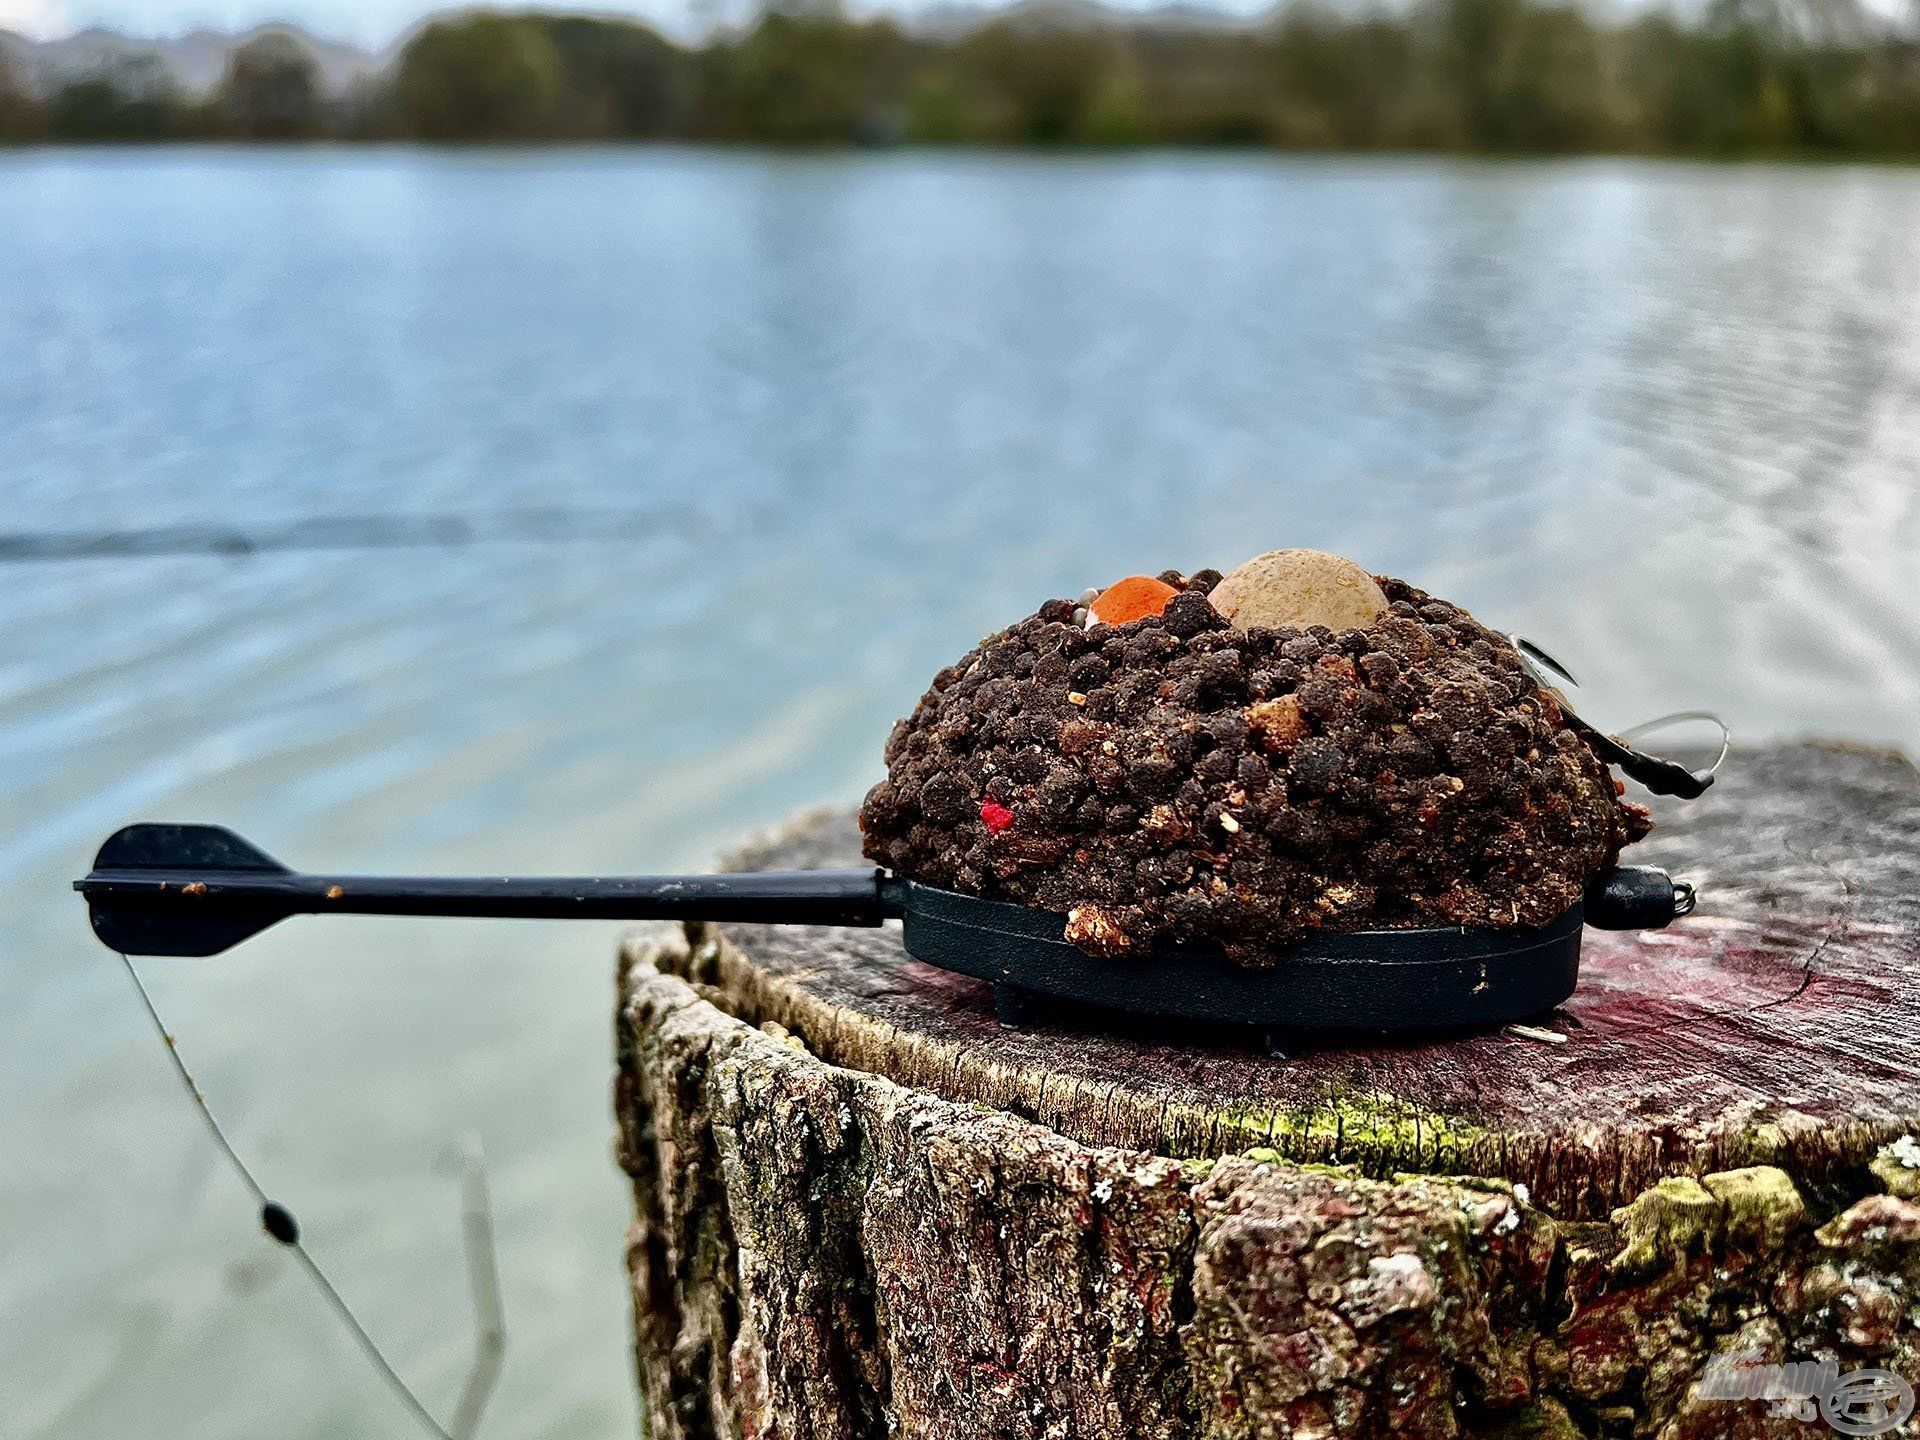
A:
(1662, 417)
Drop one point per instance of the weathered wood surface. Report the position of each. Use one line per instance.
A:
(863, 1209)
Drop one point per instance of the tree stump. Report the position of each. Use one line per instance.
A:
(865, 1209)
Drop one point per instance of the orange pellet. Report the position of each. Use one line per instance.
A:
(1133, 598)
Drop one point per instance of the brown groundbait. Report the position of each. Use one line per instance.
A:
(1175, 778)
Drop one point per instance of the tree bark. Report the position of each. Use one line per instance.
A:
(864, 1209)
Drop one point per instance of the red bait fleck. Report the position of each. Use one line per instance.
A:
(995, 816)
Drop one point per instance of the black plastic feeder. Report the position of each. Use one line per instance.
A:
(196, 890)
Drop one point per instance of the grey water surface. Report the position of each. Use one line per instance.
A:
(820, 422)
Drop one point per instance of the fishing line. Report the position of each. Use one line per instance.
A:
(278, 1222)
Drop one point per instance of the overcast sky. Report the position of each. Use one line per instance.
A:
(375, 23)
(370, 22)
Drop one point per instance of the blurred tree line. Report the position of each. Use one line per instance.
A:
(1744, 77)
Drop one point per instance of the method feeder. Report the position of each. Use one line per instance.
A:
(196, 890)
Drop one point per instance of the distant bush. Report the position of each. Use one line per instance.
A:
(133, 101)
(272, 89)
(806, 79)
(620, 81)
(22, 117)
(483, 76)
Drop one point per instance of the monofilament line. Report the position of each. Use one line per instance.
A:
(278, 1222)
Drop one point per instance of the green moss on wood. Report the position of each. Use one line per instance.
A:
(1676, 1218)
(1377, 1132)
(1897, 1167)
(1545, 1419)
(1761, 1207)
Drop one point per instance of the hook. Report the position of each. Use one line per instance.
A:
(1657, 774)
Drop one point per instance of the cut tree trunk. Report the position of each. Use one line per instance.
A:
(865, 1209)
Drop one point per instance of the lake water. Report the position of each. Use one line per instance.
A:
(829, 420)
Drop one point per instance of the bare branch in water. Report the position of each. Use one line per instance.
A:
(483, 1277)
